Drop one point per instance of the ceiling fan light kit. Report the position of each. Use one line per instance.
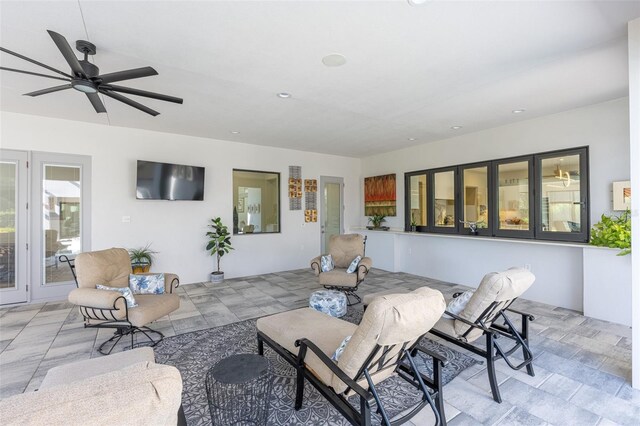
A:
(85, 77)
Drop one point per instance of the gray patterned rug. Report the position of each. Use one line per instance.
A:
(194, 353)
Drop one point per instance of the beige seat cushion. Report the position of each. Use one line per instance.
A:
(152, 307)
(323, 330)
(390, 320)
(80, 370)
(141, 394)
(494, 287)
(344, 248)
(338, 276)
(367, 299)
(106, 267)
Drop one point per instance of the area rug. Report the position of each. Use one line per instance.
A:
(194, 353)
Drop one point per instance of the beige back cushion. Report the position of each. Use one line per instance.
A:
(389, 320)
(495, 287)
(107, 267)
(345, 248)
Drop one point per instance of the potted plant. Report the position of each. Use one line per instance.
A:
(219, 244)
(141, 259)
(414, 225)
(376, 220)
(614, 232)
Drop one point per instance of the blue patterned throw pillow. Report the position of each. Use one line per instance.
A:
(457, 305)
(147, 284)
(326, 263)
(125, 291)
(338, 353)
(354, 265)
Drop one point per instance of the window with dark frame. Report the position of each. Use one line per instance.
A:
(540, 196)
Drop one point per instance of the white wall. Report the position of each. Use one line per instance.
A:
(603, 127)
(176, 228)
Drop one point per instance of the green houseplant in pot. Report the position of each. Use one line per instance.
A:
(141, 259)
(376, 220)
(614, 232)
(218, 245)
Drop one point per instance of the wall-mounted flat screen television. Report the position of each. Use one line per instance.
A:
(164, 181)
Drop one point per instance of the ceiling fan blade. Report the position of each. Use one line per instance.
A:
(49, 90)
(96, 102)
(129, 102)
(128, 74)
(144, 93)
(33, 61)
(67, 52)
(34, 73)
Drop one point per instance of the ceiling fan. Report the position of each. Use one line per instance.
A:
(86, 78)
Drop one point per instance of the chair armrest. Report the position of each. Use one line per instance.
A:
(171, 281)
(303, 344)
(315, 265)
(435, 356)
(363, 267)
(530, 317)
(459, 318)
(98, 299)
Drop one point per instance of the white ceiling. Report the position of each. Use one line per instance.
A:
(411, 71)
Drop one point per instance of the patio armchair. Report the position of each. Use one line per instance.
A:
(383, 344)
(343, 250)
(108, 309)
(482, 315)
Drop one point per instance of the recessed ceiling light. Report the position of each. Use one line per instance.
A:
(417, 2)
(334, 60)
(456, 127)
(411, 139)
(284, 95)
(235, 132)
(518, 111)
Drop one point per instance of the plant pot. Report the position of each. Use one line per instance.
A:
(140, 268)
(217, 277)
(413, 228)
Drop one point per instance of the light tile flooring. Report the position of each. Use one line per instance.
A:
(582, 365)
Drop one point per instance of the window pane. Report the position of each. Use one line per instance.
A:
(444, 206)
(476, 196)
(513, 195)
(61, 220)
(560, 198)
(8, 182)
(256, 202)
(418, 200)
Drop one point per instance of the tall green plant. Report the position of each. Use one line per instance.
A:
(219, 240)
(613, 231)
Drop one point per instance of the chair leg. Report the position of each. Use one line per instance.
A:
(491, 369)
(299, 388)
(365, 412)
(526, 352)
(260, 346)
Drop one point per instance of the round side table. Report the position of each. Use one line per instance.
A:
(238, 390)
(330, 302)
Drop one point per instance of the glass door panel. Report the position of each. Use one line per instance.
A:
(444, 199)
(331, 209)
(561, 209)
(513, 196)
(475, 197)
(8, 219)
(417, 200)
(13, 227)
(61, 220)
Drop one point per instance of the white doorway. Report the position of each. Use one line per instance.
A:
(13, 226)
(331, 209)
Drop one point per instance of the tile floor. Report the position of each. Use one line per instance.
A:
(582, 365)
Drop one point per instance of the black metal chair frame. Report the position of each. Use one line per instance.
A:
(350, 291)
(106, 318)
(492, 349)
(377, 358)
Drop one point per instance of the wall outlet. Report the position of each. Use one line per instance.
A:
(409, 251)
(126, 219)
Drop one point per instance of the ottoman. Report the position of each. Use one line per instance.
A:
(330, 302)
